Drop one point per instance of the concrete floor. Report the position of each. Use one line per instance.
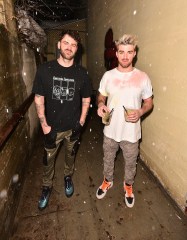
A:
(83, 216)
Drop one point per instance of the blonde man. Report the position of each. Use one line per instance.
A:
(123, 88)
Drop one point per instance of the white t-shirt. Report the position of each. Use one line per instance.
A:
(126, 89)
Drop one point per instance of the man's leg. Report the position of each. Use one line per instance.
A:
(110, 148)
(51, 145)
(49, 166)
(130, 154)
(70, 151)
(69, 163)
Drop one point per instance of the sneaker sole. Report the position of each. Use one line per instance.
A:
(103, 195)
(127, 203)
(42, 208)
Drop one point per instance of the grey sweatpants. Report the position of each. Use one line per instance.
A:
(130, 154)
(50, 155)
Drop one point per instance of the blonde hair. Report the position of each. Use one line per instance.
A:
(127, 39)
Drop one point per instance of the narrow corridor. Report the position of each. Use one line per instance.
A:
(84, 217)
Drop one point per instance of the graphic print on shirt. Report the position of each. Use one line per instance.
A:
(63, 89)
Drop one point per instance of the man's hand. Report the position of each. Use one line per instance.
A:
(136, 114)
(50, 139)
(47, 129)
(102, 110)
(133, 116)
(76, 132)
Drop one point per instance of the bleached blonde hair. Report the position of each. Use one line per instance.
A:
(127, 39)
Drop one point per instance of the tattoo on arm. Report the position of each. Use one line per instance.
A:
(39, 107)
(43, 121)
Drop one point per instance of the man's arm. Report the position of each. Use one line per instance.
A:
(40, 108)
(102, 108)
(85, 108)
(137, 114)
(146, 106)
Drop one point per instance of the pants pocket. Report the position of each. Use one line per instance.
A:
(50, 140)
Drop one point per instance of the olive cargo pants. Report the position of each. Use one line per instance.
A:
(50, 152)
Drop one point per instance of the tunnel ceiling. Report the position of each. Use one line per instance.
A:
(35, 16)
(43, 11)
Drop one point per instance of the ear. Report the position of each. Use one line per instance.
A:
(134, 53)
(58, 44)
(117, 54)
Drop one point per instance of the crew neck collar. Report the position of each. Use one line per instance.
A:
(128, 73)
(63, 65)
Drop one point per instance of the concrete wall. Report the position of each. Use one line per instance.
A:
(162, 33)
(17, 64)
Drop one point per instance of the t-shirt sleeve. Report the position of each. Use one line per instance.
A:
(38, 83)
(102, 86)
(87, 87)
(147, 90)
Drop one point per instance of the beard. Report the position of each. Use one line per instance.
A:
(125, 65)
(65, 55)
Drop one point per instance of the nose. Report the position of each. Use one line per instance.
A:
(125, 55)
(69, 46)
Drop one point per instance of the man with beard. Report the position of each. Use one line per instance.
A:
(62, 98)
(128, 92)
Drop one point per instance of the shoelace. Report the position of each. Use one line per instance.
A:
(68, 183)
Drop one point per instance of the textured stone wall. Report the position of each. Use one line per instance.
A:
(17, 69)
(162, 33)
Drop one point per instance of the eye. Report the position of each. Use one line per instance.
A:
(65, 43)
(74, 45)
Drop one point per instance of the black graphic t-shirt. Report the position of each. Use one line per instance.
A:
(63, 89)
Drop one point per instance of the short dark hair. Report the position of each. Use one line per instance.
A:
(72, 33)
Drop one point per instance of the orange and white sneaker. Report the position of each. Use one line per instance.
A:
(102, 190)
(129, 196)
